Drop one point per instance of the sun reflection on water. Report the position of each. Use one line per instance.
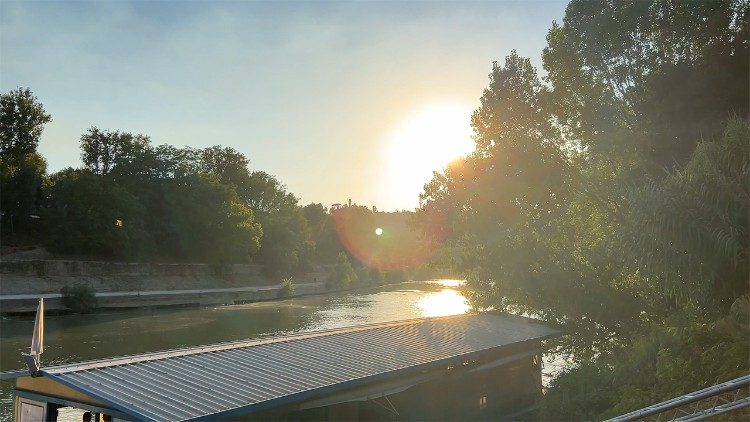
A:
(443, 303)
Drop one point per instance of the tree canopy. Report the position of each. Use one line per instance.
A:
(611, 199)
(22, 119)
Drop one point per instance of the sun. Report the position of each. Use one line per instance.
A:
(425, 141)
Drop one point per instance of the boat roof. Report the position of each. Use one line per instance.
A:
(248, 376)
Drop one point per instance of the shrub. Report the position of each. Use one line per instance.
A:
(377, 276)
(363, 275)
(396, 276)
(287, 287)
(80, 298)
(343, 272)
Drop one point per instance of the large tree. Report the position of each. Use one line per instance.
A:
(210, 223)
(565, 211)
(642, 78)
(22, 119)
(22, 169)
(89, 215)
(21, 180)
(531, 237)
(102, 150)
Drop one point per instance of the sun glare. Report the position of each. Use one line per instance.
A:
(443, 303)
(427, 141)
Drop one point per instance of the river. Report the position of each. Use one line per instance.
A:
(72, 338)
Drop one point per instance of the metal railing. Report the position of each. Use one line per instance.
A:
(726, 397)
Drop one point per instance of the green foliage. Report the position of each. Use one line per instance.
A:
(683, 353)
(210, 223)
(21, 178)
(579, 393)
(286, 247)
(645, 78)
(101, 150)
(322, 233)
(264, 194)
(527, 233)
(396, 276)
(80, 298)
(363, 275)
(81, 214)
(343, 274)
(287, 287)
(377, 277)
(400, 244)
(176, 204)
(691, 228)
(22, 119)
(565, 210)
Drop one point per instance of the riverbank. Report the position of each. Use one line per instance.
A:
(26, 303)
(128, 285)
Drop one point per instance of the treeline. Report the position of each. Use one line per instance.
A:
(134, 200)
(611, 198)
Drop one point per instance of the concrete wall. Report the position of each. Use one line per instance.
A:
(49, 276)
(28, 305)
(34, 277)
(62, 268)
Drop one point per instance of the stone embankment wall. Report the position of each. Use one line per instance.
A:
(30, 277)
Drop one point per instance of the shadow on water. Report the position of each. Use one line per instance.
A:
(72, 338)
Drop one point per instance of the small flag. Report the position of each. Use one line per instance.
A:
(37, 340)
(33, 359)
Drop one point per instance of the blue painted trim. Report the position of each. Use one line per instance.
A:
(11, 375)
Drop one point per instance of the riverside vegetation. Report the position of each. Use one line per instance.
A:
(609, 198)
(132, 200)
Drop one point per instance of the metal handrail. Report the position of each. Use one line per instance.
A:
(689, 398)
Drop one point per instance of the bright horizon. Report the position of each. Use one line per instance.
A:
(334, 99)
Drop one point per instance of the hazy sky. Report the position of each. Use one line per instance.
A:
(311, 92)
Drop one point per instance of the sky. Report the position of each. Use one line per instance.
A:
(338, 100)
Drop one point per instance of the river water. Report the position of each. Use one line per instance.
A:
(72, 338)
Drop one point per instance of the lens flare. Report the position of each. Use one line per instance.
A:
(388, 241)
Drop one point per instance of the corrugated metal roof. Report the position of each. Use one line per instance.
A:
(253, 375)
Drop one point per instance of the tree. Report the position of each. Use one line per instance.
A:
(286, 248)
(21, 185)
(322, 233)
(377, 277)
(101, 150)
(90, 215)
(565, 211)
(229, 164)
(22, 169)
(530, 235)
(343, 273)
(265, 194)
(21, 122)
(640, 78)
(511, 107)
(691, 228)
(210, 223)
